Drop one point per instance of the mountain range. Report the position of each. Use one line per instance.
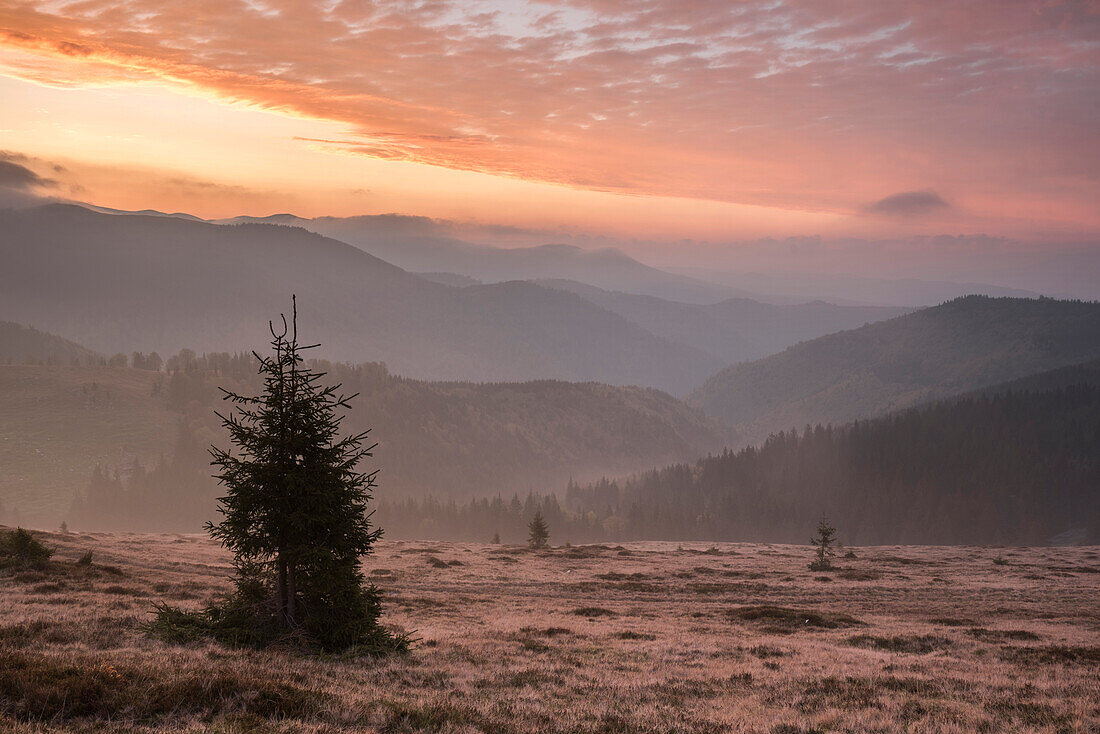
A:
(119, 283)
(163, 282)
(418, 245)
(488, 253)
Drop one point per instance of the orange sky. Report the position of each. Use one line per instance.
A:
(650, 119)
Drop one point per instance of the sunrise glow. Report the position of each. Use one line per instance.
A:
(659, 119)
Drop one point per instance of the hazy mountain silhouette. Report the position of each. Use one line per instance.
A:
(415, 244)
(452, 279)
(120, 283)
(958, 346)
(734, 330)
(853, 289)
(140, 212)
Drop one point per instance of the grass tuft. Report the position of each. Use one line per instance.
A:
(917, 644)
(854, 575)
(592, 612)
(1050, 655)
(988, 635)
(785, 620)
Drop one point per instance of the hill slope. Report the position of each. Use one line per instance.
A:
(22, 344)
(949, 349)
(450, 439)
(118, 283)
(58, 422)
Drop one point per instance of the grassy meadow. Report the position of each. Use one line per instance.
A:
(650, 637)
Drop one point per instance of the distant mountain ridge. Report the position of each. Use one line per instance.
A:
(856, 290)
(736, 329)
(415, 244)
(159, 283)
(422, 244)
(962, 345)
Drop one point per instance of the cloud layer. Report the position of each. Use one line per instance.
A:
(804, 104)
(15, 175)
(20, 184)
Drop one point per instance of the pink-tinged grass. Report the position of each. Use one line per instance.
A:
(651, 637)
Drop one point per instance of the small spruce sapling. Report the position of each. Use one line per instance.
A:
(823, 542)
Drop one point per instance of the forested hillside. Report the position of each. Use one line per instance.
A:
(1010, 466)
(450, 439)
(58, 422)
(959, 346)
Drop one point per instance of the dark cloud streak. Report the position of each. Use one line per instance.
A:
(908, 204)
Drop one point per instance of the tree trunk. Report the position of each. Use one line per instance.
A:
(291, 600)
(282, 596)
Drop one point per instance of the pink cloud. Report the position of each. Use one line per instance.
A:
(810, 104)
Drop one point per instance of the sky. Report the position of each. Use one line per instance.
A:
(649, 120)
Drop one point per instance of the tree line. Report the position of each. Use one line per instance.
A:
(172, 494)
(463, 439)
(1007, 468)
(1016, 466)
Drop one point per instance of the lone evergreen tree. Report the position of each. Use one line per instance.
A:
(539, 531)
(824, 542)
(295, 512)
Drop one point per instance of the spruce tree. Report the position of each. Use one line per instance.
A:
(539, 531)
(823, 542)
(294, 512)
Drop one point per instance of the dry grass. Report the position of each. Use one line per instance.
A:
(728, 638)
